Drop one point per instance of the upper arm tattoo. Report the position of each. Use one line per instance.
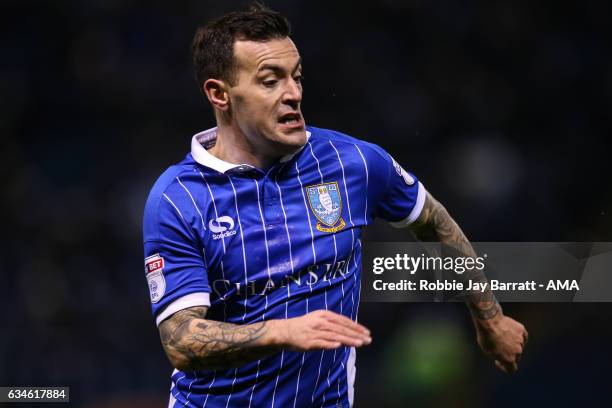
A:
(195, 343)
(436, 224)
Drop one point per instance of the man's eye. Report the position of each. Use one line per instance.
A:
(270, 83)
(298, 78)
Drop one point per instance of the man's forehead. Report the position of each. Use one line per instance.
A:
(254, 54)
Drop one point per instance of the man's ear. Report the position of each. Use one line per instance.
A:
(216, 92)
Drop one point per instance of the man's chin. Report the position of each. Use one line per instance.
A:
(290, 142)
(292, 136)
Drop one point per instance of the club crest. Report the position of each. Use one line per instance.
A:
(326, 205)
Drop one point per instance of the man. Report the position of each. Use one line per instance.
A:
(252, 242)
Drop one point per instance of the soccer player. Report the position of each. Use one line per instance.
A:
(252, 242)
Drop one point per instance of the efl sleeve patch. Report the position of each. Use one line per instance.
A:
(400, 199)
(408, 179)
(154, 270)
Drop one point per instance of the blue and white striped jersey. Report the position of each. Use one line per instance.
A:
(256, 245)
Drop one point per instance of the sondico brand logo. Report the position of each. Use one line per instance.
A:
(222, 227)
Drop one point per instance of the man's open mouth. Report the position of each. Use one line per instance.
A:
(290, 119)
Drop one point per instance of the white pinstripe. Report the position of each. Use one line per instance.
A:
(336, 257)
(365, 220)
(348, 204)
(325, 291)
(263, 225)
(335, 350)
(355, 310)
(189, 394)
(175, 383)
(204, 253)
(171, 400)
(317, 160)
(365, 165)
(358, 293)
(193, 201)
(245, 274)
(254, 385)
(297, 385)
(229, 397)
(246, 277)
(314, 253)
(280, 193)
(209, 387)
(212, 197)
(314, 256)
(178, 211)
(185, 224)
(320, 361)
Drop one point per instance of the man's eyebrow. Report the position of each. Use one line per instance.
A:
(278, 68)
(297, 65)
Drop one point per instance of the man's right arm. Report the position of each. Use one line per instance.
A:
(193, 342)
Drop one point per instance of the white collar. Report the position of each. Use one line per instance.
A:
(202, 141)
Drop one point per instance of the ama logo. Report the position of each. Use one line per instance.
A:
(222, 227)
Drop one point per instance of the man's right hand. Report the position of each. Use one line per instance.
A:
(193, 342)
(318, 330)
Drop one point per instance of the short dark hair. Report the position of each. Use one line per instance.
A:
(213, 44)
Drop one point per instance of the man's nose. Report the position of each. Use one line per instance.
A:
(293, 93)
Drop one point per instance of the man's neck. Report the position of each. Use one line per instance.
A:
(234, 147)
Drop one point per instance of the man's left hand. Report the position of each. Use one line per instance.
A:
(503, 339)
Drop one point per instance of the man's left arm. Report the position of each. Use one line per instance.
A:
(500, 337)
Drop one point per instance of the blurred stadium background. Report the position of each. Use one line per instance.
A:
(501, 108)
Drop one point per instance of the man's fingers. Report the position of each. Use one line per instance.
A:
(325, 344)
(500, 366)
(337, 328)
(507, 367)
(505, 343)
(346, 322)
(346, 340)
(351, 332)
(347, 334)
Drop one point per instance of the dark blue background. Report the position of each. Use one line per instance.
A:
(500, 108)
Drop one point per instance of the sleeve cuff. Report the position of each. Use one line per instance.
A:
(191, 300)
(416, 210)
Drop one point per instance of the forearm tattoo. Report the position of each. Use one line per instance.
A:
(193, 343)
(436, 224)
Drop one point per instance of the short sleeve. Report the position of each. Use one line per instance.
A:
(174, 265)
(402, 197)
